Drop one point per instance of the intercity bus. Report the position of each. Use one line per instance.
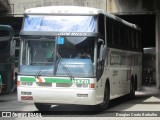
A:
(77, 55)
(7, 56)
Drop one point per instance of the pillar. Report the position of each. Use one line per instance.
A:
(158, 50)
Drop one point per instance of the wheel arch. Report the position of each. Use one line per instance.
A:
(107, 83)
(135, 82)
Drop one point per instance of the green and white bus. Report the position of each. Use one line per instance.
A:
(7, 57)
(77, 55)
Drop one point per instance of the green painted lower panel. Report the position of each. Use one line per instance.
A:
(27, 79)
(57, 80)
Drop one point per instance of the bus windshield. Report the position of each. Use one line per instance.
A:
(59, 23)
(57, 56)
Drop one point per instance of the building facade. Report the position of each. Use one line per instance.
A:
(21, 5)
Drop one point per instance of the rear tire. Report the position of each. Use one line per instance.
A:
(0, 88)
(132, 88)
(105, 103)
(135, 83)
(42, 106)
(6, 79)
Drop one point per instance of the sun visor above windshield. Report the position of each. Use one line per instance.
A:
(59, 23)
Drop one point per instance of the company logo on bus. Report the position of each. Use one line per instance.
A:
(71, 34)
(74, 66)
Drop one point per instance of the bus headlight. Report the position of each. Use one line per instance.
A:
(82, 85)
(26, 83)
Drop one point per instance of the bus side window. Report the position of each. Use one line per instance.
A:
(108, 30)
(3, 45)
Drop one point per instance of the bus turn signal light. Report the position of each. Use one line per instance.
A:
(18, 83)
(92, 85)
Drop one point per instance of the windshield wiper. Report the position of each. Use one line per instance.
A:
(67, 71)
(42, 67)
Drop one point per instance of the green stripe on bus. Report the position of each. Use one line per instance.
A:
(57, 80)
(27, 79)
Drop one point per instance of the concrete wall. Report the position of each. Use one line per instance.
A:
(132, 6)
(4, 6)
(158, 49)
(113, 6)
(21, 5)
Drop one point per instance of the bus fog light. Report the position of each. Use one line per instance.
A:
(23, 83)
(79, 95)
(79, 85)
(82, 85)
(82, 95)
(22, 93)
(27, 83)
(85, 95)
(85, 85)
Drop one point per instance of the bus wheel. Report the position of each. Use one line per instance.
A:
(105, 102)
(42, 106)
(0, 88)
(135, 84)
(132, 88)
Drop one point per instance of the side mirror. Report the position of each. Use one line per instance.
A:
(104, 52)
(100, 41)
(13, 45)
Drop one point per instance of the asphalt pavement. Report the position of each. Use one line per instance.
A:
(146, 102)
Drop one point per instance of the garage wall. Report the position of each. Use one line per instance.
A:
(132, 6)
(21, 5)
(158, 50)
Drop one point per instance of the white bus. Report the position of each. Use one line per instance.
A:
(77, 55)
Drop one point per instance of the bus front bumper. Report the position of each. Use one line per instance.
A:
(57, 96)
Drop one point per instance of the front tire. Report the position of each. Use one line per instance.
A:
(105, 103)
(132, 89)
(42, 106)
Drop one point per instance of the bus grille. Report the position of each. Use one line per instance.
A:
(44, 84)
(63, 85)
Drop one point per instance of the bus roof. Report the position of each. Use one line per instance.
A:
(77, 10)
(65, 10)
(113, 17)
